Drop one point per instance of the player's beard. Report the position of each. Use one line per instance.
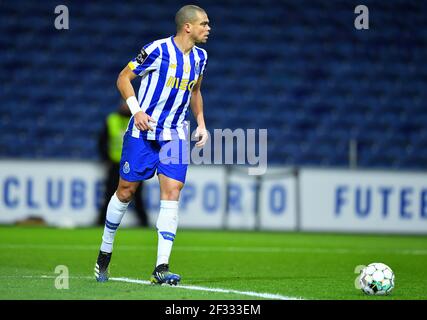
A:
(203, 39)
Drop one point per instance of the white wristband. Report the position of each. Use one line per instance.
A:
(133, 105)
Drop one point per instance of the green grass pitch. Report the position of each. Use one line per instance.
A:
(295, 265)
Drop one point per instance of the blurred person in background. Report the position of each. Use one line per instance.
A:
(110, 149)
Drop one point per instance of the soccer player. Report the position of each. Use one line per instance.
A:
(171, 72)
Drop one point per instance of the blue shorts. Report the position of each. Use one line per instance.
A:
(141, 158)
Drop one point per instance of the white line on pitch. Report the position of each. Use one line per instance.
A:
(197, 288)
(270, 296)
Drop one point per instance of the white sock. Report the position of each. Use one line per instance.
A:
(115, 212)
(167, 223)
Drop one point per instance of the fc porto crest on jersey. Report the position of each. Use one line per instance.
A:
(197, 67)
(126, 167)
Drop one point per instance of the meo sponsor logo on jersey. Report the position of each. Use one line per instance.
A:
(182, 84)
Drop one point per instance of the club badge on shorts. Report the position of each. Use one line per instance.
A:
(126, 167)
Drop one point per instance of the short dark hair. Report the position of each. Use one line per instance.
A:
(186, 14)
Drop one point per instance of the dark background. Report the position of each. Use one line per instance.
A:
(298, 68)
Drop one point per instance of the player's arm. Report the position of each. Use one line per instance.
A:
(196, 104)
(141, 119)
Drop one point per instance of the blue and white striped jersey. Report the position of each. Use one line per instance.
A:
(168, 76)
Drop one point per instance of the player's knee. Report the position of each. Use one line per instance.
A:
(171, 194)
(125, 194)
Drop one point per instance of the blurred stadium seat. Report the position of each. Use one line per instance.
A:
(298, 68)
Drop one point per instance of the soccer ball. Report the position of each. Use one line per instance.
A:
(376, 279)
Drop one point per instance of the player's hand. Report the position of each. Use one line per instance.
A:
(203, 136)
(142, 121)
